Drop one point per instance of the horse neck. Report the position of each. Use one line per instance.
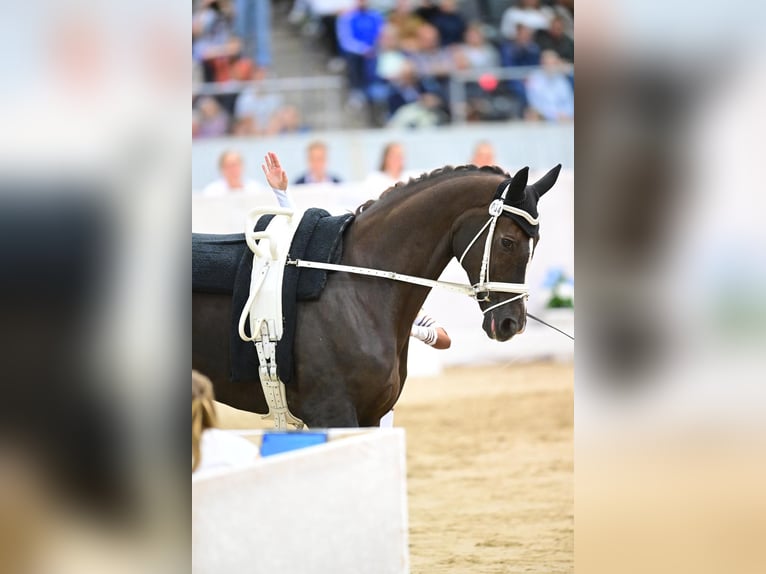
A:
(410, 231)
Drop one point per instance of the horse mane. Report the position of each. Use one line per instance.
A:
(428, 177)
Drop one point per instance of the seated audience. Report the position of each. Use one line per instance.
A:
(483, 154)
(256, 112)
(549, 91)
(449, 22)
(316, 160)
(527, 13)
(475, 53)
(555, 39)
(391, 169)
(521, 51)
(231, 167)
(212, 120)
(214, 43)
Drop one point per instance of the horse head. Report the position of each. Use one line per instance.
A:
(497, 247)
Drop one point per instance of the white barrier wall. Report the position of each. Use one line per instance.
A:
(460, 315)
(339, 508)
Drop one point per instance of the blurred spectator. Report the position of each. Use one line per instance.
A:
(391, 169)
(483, 154)
(214, 43)
(316, 160)
(528, 14)
(253, 25)
(358, 31)
(430, 58)
(406, 23)
(231, 167)
(288, 120)
(212, 119)
(391, 60)
(564, 9)
(486, 99)
(240, 71)
(213, 448)
(405, 88)
(450, 23)
(555, 39)
(425, 112)
(391, 64)
(521, 51)
(475, 53)
(549, 91)
(433, 64)
(427, 10)
(256, 113)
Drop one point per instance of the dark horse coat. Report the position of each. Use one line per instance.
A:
(351, 344)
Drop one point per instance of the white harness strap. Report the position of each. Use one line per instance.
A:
(268, 269)
(264, 306)
(485, 286)
(456, 287)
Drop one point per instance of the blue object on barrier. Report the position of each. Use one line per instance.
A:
(276, 442)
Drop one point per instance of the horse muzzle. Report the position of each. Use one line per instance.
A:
(503, 326)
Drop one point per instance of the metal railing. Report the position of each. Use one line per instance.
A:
(458, 82)
(319, 98)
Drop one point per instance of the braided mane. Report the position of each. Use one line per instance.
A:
(414, 183)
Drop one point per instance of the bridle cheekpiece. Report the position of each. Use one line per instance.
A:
(498, 207)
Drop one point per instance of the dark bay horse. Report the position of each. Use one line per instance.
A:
(351, 344)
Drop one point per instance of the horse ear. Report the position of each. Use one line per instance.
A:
(547, 181)
(517, 187)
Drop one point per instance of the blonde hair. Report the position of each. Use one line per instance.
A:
(203, 412)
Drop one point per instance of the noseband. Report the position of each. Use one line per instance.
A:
(484, 287)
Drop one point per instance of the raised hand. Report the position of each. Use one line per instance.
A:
(275, 175)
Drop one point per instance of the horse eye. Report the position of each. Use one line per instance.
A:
(507, 243)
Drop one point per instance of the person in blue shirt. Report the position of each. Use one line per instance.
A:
(521, 51)
(358, 30)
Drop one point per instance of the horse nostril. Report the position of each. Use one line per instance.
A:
(506, 326)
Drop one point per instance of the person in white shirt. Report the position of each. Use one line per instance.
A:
(529, 14)
(231, 166)
(232, 179)
(391, 169)
(214, 448)
(549, 91)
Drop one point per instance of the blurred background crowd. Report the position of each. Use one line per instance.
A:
(263, 68)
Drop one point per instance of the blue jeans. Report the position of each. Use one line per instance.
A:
(253, 26)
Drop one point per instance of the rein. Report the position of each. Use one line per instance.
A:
(549, 325)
